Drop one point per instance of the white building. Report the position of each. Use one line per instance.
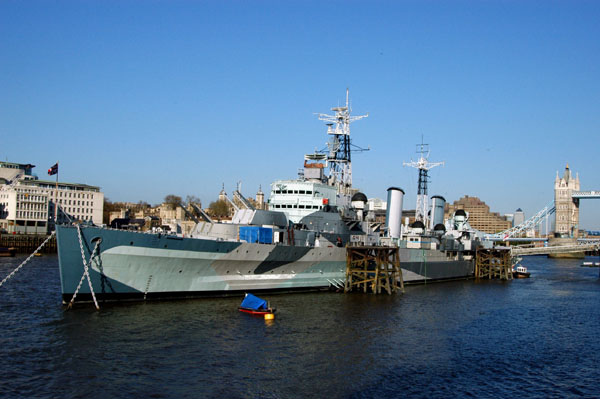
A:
(376, 204)
(376, 209)
(519, 217)
(24, 210)
(27, 203)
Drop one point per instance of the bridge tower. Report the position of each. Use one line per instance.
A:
(567, 208)
(223, 194)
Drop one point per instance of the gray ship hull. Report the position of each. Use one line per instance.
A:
(136, 266)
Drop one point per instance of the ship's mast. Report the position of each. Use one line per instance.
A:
(339, 145)
(424, 166)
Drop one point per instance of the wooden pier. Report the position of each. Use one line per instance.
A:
(373, 268)
(27, 243)
(493, 263)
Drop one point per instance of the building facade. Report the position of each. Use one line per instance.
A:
(27, 204)
(24, 210)
(480, 217)
(519, 217)
(260, 199)
(567, 208)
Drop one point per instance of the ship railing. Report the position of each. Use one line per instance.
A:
(113, 228)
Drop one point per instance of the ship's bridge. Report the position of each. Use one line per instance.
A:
(298, 198)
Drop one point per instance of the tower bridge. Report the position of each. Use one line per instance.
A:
(565, 208)
(567, 194)
(585, 194)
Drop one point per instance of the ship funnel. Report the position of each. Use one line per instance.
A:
(438, 204)
(393, 216)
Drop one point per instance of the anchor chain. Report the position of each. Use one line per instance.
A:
(85, 270)
(27, 260)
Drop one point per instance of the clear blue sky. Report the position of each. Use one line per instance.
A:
(146, 99)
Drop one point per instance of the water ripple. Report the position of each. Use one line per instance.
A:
(533, 338)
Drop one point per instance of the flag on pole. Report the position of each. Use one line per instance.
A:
(53, 169)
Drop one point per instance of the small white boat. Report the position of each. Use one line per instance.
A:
(591, 264)
(520, 272)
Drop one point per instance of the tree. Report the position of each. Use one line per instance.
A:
(106, 210)
(219, 209)
(142, 205)
(192, 199)
(172, 200)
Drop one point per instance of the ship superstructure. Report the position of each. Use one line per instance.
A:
(300, 198)
(326, 179)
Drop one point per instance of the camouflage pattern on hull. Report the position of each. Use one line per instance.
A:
(425, 272)
(134, 265)
(424, 265)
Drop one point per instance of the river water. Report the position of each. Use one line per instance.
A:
(537, 337)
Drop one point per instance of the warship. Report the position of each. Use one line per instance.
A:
(297, 243)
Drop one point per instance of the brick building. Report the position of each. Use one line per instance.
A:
(480, 217)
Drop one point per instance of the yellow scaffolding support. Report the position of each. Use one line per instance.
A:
(493, 263)
(373, 268)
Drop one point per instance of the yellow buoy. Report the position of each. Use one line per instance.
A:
(269, 316)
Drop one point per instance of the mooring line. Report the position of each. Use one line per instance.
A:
(27, 260)
(85, 271)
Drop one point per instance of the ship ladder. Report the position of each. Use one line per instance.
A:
(28, 259)
(85, 270)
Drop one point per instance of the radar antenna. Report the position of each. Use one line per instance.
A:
(340, 147)
(424, 166)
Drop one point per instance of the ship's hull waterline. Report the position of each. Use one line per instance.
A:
(136, 266)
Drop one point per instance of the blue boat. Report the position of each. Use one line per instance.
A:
(255, 305)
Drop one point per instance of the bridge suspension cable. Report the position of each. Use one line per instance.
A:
(530, 223)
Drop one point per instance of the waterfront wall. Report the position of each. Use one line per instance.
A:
(565, 241)
(27, 243)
